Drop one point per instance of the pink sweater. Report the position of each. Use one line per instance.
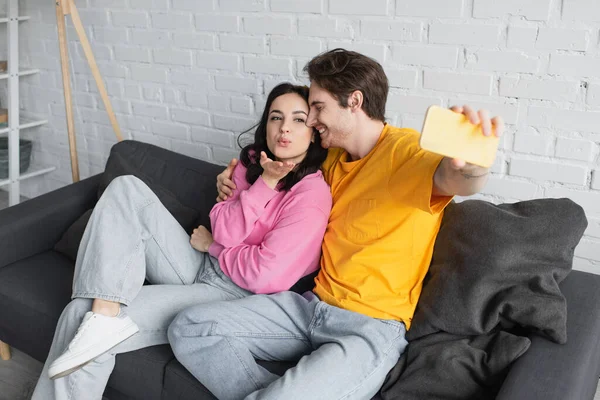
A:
(266, 240)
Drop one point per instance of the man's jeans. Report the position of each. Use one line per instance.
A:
(345, 355)
(130, 237)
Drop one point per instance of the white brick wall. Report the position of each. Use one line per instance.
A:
(190, 75)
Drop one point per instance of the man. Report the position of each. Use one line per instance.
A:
(388, 200)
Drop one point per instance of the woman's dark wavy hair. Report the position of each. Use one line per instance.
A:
(250, 154)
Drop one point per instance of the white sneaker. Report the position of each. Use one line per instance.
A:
(95, 336)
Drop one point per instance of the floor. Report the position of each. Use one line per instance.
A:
(18, 377)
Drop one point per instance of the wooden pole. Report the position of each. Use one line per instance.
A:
(4, 351)
(87, 49)
(64, 61)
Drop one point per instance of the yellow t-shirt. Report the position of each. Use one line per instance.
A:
(382, 227)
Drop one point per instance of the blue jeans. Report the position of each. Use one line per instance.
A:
(343, 354)
(130, 237)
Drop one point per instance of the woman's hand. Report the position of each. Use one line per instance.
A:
(274, 171)
(225, 185)
(201, 239)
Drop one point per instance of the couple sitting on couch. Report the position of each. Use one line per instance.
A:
(366, 212)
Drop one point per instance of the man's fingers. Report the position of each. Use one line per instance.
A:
(498, 123)
(486, 124)
(471, 114)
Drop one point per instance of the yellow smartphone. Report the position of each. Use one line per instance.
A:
(452, 135)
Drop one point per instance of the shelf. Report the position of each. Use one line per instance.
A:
(26, 123)
(22, 18)
(33, 171)
(24, 72)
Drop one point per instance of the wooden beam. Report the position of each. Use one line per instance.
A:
(4, 351)
(64, 62)
(87, 49)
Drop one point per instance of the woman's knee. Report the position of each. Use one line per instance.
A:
(190, 325)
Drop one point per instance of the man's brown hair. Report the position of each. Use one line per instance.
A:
(341, 72)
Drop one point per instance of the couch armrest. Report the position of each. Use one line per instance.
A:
(549, 371)
(36, 225)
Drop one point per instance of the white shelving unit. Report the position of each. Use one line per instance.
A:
(16, 121)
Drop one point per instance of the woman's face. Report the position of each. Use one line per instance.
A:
(288, 137)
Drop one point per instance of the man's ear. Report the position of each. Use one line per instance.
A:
(355, 100)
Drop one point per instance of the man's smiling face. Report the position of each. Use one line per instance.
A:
(327, 116)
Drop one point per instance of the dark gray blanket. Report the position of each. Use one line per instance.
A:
(493, 280)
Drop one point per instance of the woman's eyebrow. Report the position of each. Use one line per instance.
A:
(300, 112)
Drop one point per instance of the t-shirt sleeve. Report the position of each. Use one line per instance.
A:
(411, 175)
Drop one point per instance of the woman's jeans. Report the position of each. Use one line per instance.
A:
(131, 237)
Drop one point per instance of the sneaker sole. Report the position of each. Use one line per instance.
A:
(78, 361)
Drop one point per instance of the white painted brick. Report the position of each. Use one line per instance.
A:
(502, 61)
(195, 99)
(92, 17)
(581, 10)
(200, 41)
(596, 186)
(295, 6)
(588, 249)
(152, 94)
(428, 55)
(220, 61)
(165, 143)
(458, 82)
(155, 4)
(194, 150)
(229, 123)
(411, 104)
(172, 21)
(507, 187)
(522, 37)
(191, 79)
(563, 39)
(375, 51)
(358, 7)
(241, 105)
(593, 229)
(573, 149)
(193, 5)
(548, 171)
(172, 96)
(508, 112)
(542, 145)
(590, 201)
(391, 30)
(430, 8)
(119, 106)
(223, 156)
(563, 119)
(193, 117)
(149, 110)
(546, 89)
(150, 38)
(531, 9)
(264, 25)
(171, 130)
(129, 53)
(217, 23)
(593, 95)
(133, 91)
(463, 34)
(131, 19)
(172, 56)
(109, 35)
(219, 103)
(580, 264)
(242, 5)
(148, 73)
(402, 78)
(235, 84)
(326, 27)
(242, 44)
(286, 46)
(212, 136)
(268, 65)
(574, 65)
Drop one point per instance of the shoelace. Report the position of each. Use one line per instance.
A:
(82, 328)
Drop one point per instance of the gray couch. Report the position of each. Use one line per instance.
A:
(38, 241)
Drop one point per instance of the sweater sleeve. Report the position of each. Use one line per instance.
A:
(291, 250)
(233, 220)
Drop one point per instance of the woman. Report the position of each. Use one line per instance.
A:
(267, 235)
